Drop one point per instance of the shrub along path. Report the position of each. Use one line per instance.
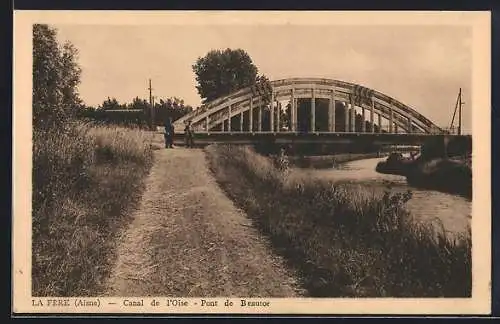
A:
(188, 239)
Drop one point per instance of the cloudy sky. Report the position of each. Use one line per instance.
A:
(422, 66)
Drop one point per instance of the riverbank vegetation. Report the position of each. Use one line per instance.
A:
(345, 240)
(85, 178)
(451, 175)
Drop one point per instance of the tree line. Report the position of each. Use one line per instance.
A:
(56, 76)
(137, 112)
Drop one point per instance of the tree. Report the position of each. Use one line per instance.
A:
(111, 104)
(221, 72)
(262, 87)
(171, 107)
(56, 76)
(138, 103)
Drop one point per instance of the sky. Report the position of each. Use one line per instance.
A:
(421, 66)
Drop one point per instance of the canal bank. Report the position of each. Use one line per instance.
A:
(451, 175)
(346, 237)
(451, 210)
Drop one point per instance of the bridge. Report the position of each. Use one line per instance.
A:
(309, 110)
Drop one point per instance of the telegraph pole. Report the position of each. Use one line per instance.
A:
(152, 105)
(460, 112)
(458, 106)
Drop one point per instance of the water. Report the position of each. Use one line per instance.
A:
(427, 205)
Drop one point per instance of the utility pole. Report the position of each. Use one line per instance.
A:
(151, 104)
(460, 112)
(458, 106)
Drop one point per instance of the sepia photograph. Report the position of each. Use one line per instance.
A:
(233, 161)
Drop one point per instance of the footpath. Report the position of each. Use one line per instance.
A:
(187, 239)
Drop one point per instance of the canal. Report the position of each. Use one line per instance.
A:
(426, 205)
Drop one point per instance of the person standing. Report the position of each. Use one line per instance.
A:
(188, 133)
(169, 133)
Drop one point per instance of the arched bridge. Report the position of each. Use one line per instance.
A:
(309, 106)
(352, 97)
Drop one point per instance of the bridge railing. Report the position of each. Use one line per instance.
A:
(288, 132)
(450, 130)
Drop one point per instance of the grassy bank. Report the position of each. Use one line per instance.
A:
(328, 161)
(85, 180)
(344, 239)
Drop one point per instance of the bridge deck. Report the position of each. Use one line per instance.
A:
(316, 137)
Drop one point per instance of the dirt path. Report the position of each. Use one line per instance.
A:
(188, 239)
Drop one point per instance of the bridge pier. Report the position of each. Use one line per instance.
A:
(379, 122)
(241, 121)
(372, 109)
(271, 112)
(278, 113)
(250, 115)
(363, 123)
(313, 112)
(295, 118)
(229, 118)
(331, 113)
(353, 118)
(346, 117)
(391, 120)
(293, 110)
(444, 146)
(259, 120)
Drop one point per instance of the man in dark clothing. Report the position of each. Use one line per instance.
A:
(169, 133)
(188, 132)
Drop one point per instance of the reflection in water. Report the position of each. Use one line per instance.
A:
(454, 211)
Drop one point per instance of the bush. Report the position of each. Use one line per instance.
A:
(346, 240)
(85, 180)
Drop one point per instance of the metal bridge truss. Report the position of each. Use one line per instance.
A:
(375, 107)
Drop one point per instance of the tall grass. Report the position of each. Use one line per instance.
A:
(85, 179)
(346, 240)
